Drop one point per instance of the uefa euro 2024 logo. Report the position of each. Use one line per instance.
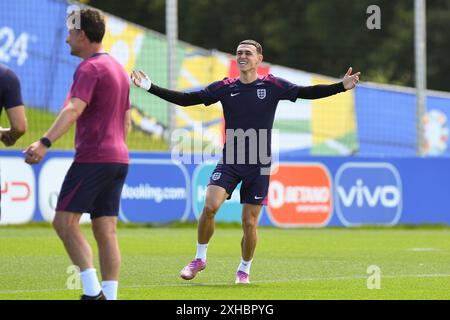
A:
(435, 133)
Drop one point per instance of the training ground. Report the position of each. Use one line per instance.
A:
(293, 264)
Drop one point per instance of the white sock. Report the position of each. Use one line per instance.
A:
(110, 289)
(91, 285)
(201, 251)
(245, 266)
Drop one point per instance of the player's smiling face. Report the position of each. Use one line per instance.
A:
(247, 57)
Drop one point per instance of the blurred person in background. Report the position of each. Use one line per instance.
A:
(11, 100)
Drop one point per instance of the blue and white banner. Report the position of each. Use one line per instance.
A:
(157, 191)
(358, 191)
(368, 193)
(32, 43)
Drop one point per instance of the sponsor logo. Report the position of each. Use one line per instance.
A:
(235, 94)
(368, 193)
(148, 192)
(361, 195)
(155, 191)
(300, 195)
(18, 189)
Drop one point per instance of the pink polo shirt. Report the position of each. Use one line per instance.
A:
(104, 85)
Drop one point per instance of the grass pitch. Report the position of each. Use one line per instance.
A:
(39, 121)
(289, 264)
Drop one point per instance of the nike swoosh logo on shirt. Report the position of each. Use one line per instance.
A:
(235, 94)
(258, 198)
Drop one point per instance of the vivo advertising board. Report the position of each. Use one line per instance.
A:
(368, 193)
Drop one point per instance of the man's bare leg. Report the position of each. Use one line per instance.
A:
(250, 217)
(215, 196)
(105, 232)
(67, 226)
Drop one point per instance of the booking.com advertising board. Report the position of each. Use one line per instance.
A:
(304, 192)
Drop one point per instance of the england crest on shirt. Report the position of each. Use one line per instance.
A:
(261, 93)
(216, 176)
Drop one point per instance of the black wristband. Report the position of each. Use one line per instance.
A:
(46, 142)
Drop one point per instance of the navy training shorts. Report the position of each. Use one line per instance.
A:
(94, 188)
(254, 188)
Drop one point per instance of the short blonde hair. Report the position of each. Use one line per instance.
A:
(253, 43)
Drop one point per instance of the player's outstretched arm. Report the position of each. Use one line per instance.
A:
(350, 81)
(141, 80)
(184, 99)
(323, 91)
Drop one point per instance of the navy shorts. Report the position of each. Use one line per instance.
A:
(93, 188)
(254, 186)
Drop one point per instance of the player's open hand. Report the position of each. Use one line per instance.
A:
(35, 152)
(350, 80)
(141, 80)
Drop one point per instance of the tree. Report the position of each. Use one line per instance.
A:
(320, 36)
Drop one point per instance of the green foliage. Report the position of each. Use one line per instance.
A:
(320, 36)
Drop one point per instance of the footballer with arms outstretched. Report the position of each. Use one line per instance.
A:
(98, 101)
(249, 104)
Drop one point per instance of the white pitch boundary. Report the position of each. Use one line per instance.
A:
(206, 284)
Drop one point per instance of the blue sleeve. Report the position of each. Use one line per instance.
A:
(212, 93)
(287, 90)
(12, 96)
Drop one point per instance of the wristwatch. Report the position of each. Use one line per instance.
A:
(46, 142)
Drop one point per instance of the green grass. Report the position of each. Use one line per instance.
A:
(349, 141)
(39, 121)
(289, 264)
(293, 126)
